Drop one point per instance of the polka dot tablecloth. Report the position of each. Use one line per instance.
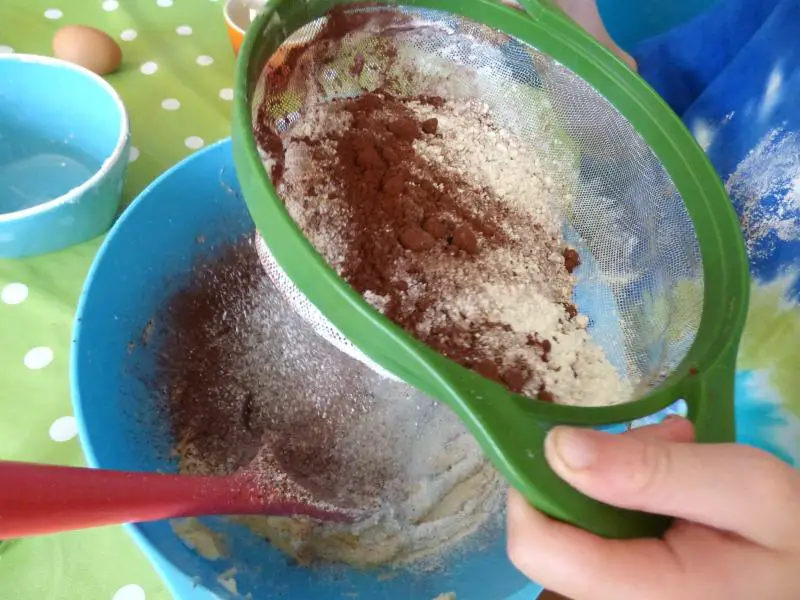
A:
(176, 80)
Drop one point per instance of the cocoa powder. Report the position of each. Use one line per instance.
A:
(572, 260)
(394, 207)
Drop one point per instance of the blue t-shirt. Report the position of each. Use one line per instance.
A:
(733, 75)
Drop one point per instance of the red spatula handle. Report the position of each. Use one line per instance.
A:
(40, 499)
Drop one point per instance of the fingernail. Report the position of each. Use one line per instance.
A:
(575, 448)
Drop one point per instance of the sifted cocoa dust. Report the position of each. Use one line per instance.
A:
(208, 410)
(225, 421)
(248, 387)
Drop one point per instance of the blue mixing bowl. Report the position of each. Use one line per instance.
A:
(147, 255)
(64, 144)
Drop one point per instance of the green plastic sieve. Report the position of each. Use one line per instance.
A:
(681, 296)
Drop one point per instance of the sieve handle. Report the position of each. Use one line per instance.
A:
(710, 397)
(512, 431)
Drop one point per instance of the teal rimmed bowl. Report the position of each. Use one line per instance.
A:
(64, 145)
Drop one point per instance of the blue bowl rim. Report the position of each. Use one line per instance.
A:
(115, 156)
(151, 550)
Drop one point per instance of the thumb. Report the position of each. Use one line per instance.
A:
(728, 487)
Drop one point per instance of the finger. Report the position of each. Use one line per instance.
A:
(580, 565)
(672, 429)
(733, 488)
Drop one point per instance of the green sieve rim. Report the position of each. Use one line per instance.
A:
(511, 428)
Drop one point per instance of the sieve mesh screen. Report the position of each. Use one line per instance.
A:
(641, 282)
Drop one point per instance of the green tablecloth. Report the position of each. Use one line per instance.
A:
(187, 43)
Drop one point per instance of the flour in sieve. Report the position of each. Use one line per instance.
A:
(504, 306)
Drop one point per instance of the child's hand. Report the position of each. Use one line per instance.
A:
(737, 533)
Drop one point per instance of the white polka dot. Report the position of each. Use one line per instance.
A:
(53, 13)
(194, 143)
(38, 358)
(183, 30)
(63, 429)
(14, 293)
(149, 68)
(204, 60)
(130, 592)
(226, 94)
(164, 3)
(6, 49)
(134, 154)
(128, 35)
(170, 104)
(110, 5)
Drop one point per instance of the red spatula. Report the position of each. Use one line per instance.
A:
(41, 499)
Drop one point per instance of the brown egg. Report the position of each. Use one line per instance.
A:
(87, 47)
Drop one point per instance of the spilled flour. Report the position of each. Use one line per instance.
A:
(249, 387)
